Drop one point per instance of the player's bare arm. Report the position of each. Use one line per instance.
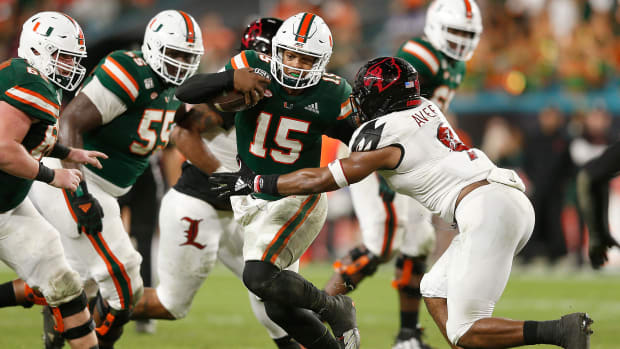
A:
(79, 116)
(338, 174)
(15, 160)
(186, 136)
(355, 168)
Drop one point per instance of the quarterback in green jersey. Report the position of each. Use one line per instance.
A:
(125, 108)
(51, 46)
(395, 225)
(279, 134)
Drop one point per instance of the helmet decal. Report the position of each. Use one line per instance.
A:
(375, 74)
(256, 29)
(191, 34)
(304, 27)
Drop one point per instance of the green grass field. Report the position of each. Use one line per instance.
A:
(221, 316)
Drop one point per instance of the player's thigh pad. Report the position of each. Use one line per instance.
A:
(419, 236)
(190, 231)
(382, 223)
(31, 247)
(279, 231)
(495, 222)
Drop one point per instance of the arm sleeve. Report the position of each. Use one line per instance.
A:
(200, 87)
(106, 102)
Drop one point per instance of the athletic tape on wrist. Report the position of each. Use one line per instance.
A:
(335, 167)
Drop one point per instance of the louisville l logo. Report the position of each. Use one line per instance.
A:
(375, 75)
(191, 233)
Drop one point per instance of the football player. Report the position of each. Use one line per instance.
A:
(393, 224)
(125, 108)
(593, 199)
(409, 141)
(195, 227)
(51, 46)
(279, 134)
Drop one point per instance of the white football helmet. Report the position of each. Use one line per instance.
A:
(443, 17)
(47, 41)
(304, 33)
(169, 33)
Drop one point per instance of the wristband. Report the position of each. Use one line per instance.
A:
(45, 174)
(335, 167)
(267, 184)
(60, 151)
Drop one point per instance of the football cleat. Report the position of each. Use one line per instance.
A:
(341, 318)
(575, 330)
(410, 338)
(148, 326)
(52, 338)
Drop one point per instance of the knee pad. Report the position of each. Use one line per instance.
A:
(66, 286)
(409, 266)
(359, 262)
(111, 321)
(67, 309)
(258, 277)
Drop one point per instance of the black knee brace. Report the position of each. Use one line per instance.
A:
(359, 261)
(72, 307)
(112, 320)
(409, 266)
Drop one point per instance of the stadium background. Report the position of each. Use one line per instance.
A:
(540, 95)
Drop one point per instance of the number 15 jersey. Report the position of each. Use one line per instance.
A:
(282, 133)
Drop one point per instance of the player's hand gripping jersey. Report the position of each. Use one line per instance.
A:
(137, 119)
(439, 75)
(435, 164)
(24, 88)
(282, 133)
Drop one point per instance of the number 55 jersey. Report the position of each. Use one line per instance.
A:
(137, 110)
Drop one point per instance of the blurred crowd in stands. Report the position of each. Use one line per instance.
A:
(526, 46)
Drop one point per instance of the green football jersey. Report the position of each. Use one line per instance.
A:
(439, 75)
(23, 87)
(283, 133)
(130, 138)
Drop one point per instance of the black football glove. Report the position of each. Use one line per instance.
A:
(87, 210)
(227, 184)
(598, 249)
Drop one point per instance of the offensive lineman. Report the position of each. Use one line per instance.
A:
(279, 134)
(126, 108)
(408, 139)
(195, 226)
(393, 223)
(51, 46)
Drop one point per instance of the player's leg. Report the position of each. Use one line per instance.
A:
(190, 231)
(276, 235)
(479, 271)
(378, 214)
(230, 254)
(418, 242)
(31, 247)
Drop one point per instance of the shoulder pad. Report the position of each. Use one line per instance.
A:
(422, 55)
(250, 58)
(367, 136)
(122, 73)
(24, 88)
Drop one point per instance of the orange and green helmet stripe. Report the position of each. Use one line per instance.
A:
(304, 27)
(468, 12)
(189, 26)
(80, 35)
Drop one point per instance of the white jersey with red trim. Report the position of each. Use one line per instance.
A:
(435, 164)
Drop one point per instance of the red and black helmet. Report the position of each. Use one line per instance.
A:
(257, 35)
(384, 85)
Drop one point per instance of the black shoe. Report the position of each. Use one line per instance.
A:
(341, 318)
(52, 338)
(575, 329)
(410, 338)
